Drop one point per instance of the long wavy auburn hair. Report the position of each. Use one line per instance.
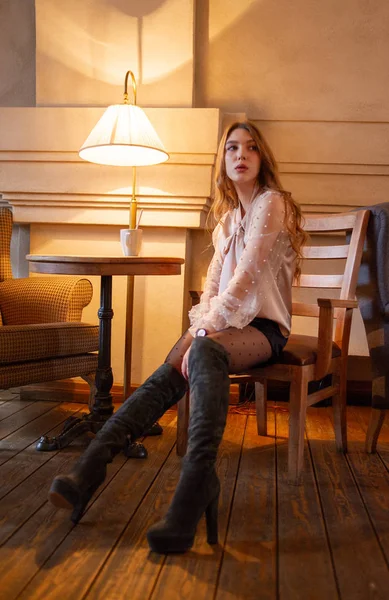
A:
(226, 198)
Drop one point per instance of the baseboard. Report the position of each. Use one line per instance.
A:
(73, 390)
(66, 390)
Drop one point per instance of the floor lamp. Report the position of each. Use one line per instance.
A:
(124, 137)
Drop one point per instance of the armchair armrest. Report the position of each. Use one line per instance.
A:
(43, 299)
(326, 319)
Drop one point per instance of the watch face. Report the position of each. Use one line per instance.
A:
(201, 333)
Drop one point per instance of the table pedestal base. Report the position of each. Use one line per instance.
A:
(91, 423)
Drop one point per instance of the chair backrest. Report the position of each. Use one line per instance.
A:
(345, 256)
(5, 243)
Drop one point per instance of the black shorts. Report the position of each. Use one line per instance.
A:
(273, 333)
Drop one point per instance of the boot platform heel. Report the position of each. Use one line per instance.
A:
(166, 538)
(65, 493)
(176, 532)
(211, 516)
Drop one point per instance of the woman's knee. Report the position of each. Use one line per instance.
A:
(177, 353)
(207, 350)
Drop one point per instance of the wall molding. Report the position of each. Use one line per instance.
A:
(43, 178)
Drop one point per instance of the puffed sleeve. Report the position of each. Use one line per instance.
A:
(267, 241)
(211, 286)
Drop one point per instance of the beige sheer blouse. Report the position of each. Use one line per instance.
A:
(251, 271)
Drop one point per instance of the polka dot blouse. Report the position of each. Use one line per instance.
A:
(252, 269)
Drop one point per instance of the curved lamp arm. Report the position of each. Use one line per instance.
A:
(126, 86)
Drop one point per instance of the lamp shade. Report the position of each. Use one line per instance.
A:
(123, 137)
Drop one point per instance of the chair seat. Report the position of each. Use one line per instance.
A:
(23, 343)
(302, 350)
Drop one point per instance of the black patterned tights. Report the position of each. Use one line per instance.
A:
(246, 348)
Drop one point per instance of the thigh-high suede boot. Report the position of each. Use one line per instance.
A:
(164, 388)
(198, 487)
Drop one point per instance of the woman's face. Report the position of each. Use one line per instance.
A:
(241, 157)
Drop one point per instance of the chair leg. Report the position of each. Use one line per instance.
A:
(377, 418)
(297, 414)
(261, 406)
(182, 425)
(339, 408)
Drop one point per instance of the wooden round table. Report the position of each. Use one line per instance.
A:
(106, 267)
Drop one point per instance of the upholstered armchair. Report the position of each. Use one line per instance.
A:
(42, 337)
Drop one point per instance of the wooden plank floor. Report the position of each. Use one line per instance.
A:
(325, 539)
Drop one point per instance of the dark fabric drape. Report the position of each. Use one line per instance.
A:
(373, 298)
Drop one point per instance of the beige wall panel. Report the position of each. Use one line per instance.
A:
(17, 53)
(328, 143)
(298, 60)
(332, 169)
(59, 129)
(85, 48)
(158, 303)
(88, 178)
(314, 191)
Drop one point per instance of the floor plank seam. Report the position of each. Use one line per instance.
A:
(122, 533)
(367, 511)
(16, 411)
(154, 586)
(60, 541)
(42, 566)
(51, 455)
(229, 514)
(45, 412)
(28, 476)
(23, 524)
(323, 516)
(383, 461)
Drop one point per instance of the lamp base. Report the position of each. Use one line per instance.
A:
(131, 241)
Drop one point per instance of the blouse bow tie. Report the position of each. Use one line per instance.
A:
(237, 236)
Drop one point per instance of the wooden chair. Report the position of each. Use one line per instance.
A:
(311, 358)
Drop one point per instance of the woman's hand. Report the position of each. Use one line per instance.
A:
(184, 364)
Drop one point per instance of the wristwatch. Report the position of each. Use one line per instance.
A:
(201, 332)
